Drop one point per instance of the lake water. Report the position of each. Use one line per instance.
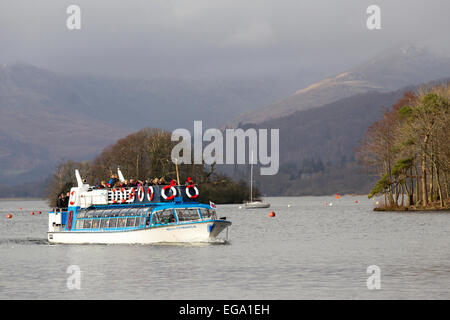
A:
(308, 251)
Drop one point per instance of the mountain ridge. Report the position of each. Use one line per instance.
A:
(390, 70)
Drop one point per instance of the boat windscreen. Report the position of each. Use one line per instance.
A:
(207, 213)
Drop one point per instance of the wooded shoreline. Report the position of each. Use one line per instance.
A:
(413, 208)
(408, 149)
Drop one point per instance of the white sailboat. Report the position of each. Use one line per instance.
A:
(254, 204)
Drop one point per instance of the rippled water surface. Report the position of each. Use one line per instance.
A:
(308, 251)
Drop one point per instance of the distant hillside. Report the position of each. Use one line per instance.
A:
(46, 117)
(317, 146)
(389, 71)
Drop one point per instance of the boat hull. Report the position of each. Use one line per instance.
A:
(205, 231)
(256, 205)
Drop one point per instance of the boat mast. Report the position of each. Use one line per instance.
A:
(251, 179)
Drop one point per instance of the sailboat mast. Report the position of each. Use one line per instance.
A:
(251, 179)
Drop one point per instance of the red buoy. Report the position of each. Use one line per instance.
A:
(8, 216)
(356, 201)
(32, 213)
(272, 214)
(39, 212)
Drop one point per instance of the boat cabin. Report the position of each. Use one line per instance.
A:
(124, 218)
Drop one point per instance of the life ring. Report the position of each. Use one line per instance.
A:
(73, 194)
(150, 193)
(133, 194)
(188, 193)
(141, 194)
(114, 195)
(69, 220)
(172, 188)
(123, 193)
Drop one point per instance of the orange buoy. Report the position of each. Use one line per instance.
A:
(39, 212)
(272, 214)
(337, 196)
(8, 216)
(32, 213)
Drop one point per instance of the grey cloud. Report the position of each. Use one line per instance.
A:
(194, 38)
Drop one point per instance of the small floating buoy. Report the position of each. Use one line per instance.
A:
(289, 205)
(39, 212)
(8, 216)
(331, 204)
(240, 207)
(272, 214)
(32, 213)
(356, 201)
(20, 208)
(337, 196)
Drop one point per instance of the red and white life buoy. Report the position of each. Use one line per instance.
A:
(188, 192)
(74, 197)
(132, 195)
(141, 194)
(150, 193)
(114, 195)
(123, 195)
(172, 189)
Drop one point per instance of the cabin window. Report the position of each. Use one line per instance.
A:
(207, 213)
(121, 223)
(79, 224)
(155, 219)
(87, 224)
(130, 222)
(95, 223)
(97, 213)
(104, 223)
(113, 223)
(164, 216)
(80, 214)
(138, 221)
(124, 212)
(187, 214)
(106, 213)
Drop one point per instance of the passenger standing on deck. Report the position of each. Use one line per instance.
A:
(102, 185)
(60, 201)
(63, 200)
(189, 181)
(112, 182)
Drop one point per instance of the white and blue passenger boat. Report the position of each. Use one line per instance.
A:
(138, 215)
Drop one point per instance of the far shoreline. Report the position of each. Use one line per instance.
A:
(402, 209)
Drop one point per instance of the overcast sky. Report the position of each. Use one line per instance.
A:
(220, 38)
